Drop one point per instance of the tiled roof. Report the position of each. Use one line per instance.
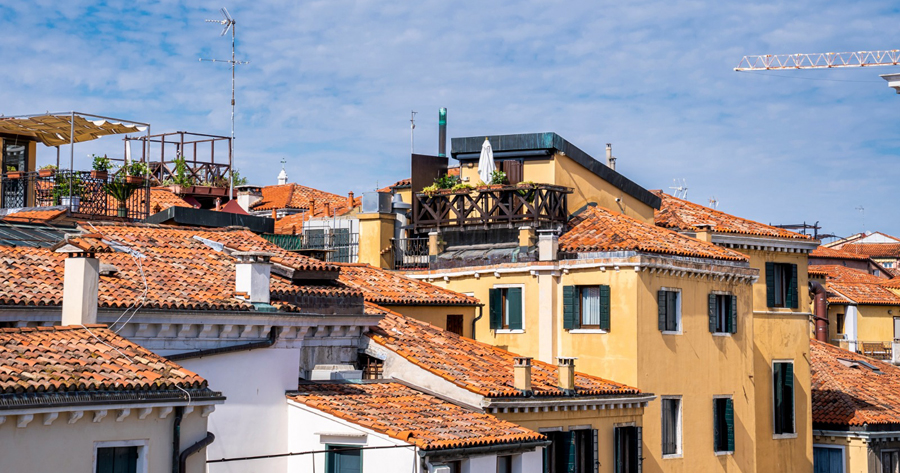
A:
(31, 215)
(401, 184)
(826, 252)
(295, 196)
(816, 272)
(874, 250)
(386, 287)
(601, 230)
(852, 396)
(411, 416)
(181, 270)
(681, 214)
(478, 367)
(74, 358)
(848, 285)
(293, 224)
(162, 198)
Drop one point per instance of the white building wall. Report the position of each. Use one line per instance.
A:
(253, 420)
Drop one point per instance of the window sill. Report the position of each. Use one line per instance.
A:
(718, 454)
(672, 456)
(587, 330)
(722, 334)
(784, 436)
(507, 330)
(669, 332)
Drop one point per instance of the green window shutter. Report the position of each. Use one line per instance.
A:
(729, 423)
(105, 460)
(596, 451)
(715, 425)
(568, 443)
(788, 372)
(778, 387)
(496, 308)
(663, 301)
(712, 312)
(792, 289)
(770, 284)
(618, 450)
(514, 301)
(732, 319)
(570, 295)
(604, 308)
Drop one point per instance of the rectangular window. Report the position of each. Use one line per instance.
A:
(671, 425)
(455, 323)
(723, 424)
(830, 460)
(890, 461)
(781, 285)
(506, 308)
(669, 310)
(783, 383)
(504, 464)
(839, 327)
(722, 313)
(372, 367)
(571, 452)
(627, 449)
(586, 307)
(343, 459)
(117, 460)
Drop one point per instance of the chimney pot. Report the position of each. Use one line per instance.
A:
(253, 272)
(274, 214)
(522, 373)
(350, 199)
(567, 374)
(610, 159)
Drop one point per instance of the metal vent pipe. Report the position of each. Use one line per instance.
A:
(442, 132)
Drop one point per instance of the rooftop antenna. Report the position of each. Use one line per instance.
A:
(229, 23)
(680, 191)
(713, 202)
(412, 127)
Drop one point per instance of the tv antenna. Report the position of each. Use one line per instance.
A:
(713, 202)
(680, 191)
(412, 128)
(229, 23)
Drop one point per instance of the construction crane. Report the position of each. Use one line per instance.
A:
(775, 62)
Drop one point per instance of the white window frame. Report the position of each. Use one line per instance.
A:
(843, 450)
(589, 330)
(507, 286)
(726, 396)
(679, 452)
(794, 404)
(679, 301)
(724, 293)
(143, 449)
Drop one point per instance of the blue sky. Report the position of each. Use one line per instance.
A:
(331, 83)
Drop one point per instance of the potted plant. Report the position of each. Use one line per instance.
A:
(68, 191)
(47, 171)
(121, 192)
(101, 167)
(183, 182)
(136, 172)
(13, 173)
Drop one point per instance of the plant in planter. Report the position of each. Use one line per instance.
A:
(181, 178)
(462, 186)
(13, 173)
(101, 167)
(136, 172)
(121, 191)
(47, 171)
(68, 191)
(498, 177)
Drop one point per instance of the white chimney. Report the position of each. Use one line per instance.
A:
(81, 280)
(253, 272)
(248, 195)
(548, 245)
(610, 159)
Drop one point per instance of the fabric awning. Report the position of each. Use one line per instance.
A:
(55, 130)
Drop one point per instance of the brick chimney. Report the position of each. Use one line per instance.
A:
(522, 373)
(328, 209)
(350, 200)
(566, 374)
(253, 272)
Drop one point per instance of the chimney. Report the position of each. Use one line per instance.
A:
(350, 199)
(704, 232)
(312, 207)
(247, 196)
(610, 159)
(567, 374)
(522, 373)
(328, 209)
(442, 133)
(218, 204)
(253, 271)
(274, 214)
(81, 282)
(548, 245)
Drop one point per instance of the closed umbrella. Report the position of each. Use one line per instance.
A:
(486, 162)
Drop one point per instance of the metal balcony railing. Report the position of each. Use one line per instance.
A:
(409, 253)
(338, 246)
(84, 193)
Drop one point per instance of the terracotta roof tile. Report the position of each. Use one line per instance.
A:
(30, 215)
(475, 366)
(681, 214)
(386, 287)
(295, 196)
(163, 198)
(852, 396)
(74, 358)
(848, 285)
(412, 416)
(826, 252)
(874, 250)
(600, 230)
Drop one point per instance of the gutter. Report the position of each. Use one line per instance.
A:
(176, 439)
(465, 451)
(268, 342)
(200, 445)
(476, 319)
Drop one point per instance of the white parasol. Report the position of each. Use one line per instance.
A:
(486, 162)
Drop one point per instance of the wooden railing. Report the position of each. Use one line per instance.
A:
(541, 204)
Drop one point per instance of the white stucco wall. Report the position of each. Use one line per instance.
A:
(254, 418)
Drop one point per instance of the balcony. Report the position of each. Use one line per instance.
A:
(85, 194)
(333, 247)
(497, 206)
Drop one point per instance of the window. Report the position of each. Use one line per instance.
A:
(628, 449)
(372, 367)
(827, 459)
(506, 308)
(840, 324)
(669, 310)
(343, 459)
(586, 307)
(722, 313)
(455, 323)
(671, 426)
(504, 464)
(15, 158)
(783, 382)
(571, 452)
(723, 424)
(781, 285)
(890, 461)
(117, 460)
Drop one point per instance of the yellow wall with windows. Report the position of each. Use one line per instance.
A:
(874, 323)
(856, 452)
(437, 315)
